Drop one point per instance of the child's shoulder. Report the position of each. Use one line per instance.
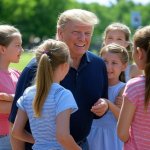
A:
(136, 81)
(59, 89)
(14, 71)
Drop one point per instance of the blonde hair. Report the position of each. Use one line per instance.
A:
(119, 27)
(78, 15)
(50, 54)
(120, 51)
(142, 40)
(7, 33)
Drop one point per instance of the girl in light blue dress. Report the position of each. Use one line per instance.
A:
(103, 135)
(47, 104)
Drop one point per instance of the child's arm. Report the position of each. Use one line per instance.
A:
(5, 102)
(125, 119)
(115, 107)
(63, 131)
(15, 143)
(18, 130)
(119, 98)
(6, 97)
(5, 107)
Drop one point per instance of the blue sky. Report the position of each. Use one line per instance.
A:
(106, 2)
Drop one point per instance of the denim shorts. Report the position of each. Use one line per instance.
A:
(5, 143)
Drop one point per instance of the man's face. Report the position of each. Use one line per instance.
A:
(77, 36)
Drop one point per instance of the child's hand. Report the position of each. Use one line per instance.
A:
(6, 97)
(119, 101)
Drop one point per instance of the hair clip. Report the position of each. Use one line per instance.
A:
(45, 52)
(49, 55)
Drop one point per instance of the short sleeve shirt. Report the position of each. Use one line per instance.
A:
(43, 129)
(140, 127)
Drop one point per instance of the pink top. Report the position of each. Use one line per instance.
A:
(8, 81)
(140, 127)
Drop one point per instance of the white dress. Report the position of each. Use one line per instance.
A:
(103, 135)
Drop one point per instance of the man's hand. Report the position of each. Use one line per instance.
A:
(100, 107)
(6, 97)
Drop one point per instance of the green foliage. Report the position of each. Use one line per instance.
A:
(38, 18)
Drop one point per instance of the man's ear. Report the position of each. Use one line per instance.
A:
(60, 34)
(127, 44)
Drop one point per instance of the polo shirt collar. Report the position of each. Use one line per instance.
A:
(84, 61)
(86, 57)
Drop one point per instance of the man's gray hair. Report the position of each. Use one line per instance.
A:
(78, 15)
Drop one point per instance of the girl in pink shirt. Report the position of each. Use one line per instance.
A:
(134, 119)
(10, 52)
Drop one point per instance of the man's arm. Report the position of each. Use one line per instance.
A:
(100, 108)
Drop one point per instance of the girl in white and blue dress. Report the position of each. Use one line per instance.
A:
(103, 135)
(47, 104)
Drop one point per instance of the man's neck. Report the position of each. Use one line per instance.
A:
(76, 62)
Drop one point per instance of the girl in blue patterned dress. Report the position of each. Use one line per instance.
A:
(103, 135)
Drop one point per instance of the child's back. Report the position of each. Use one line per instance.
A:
(44, 128)
(141, 123)
(134, 119)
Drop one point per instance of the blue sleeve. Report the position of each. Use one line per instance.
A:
(25, 80)
(64, 101)
(20, 103)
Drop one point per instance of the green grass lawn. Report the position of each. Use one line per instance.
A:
(25, 58)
